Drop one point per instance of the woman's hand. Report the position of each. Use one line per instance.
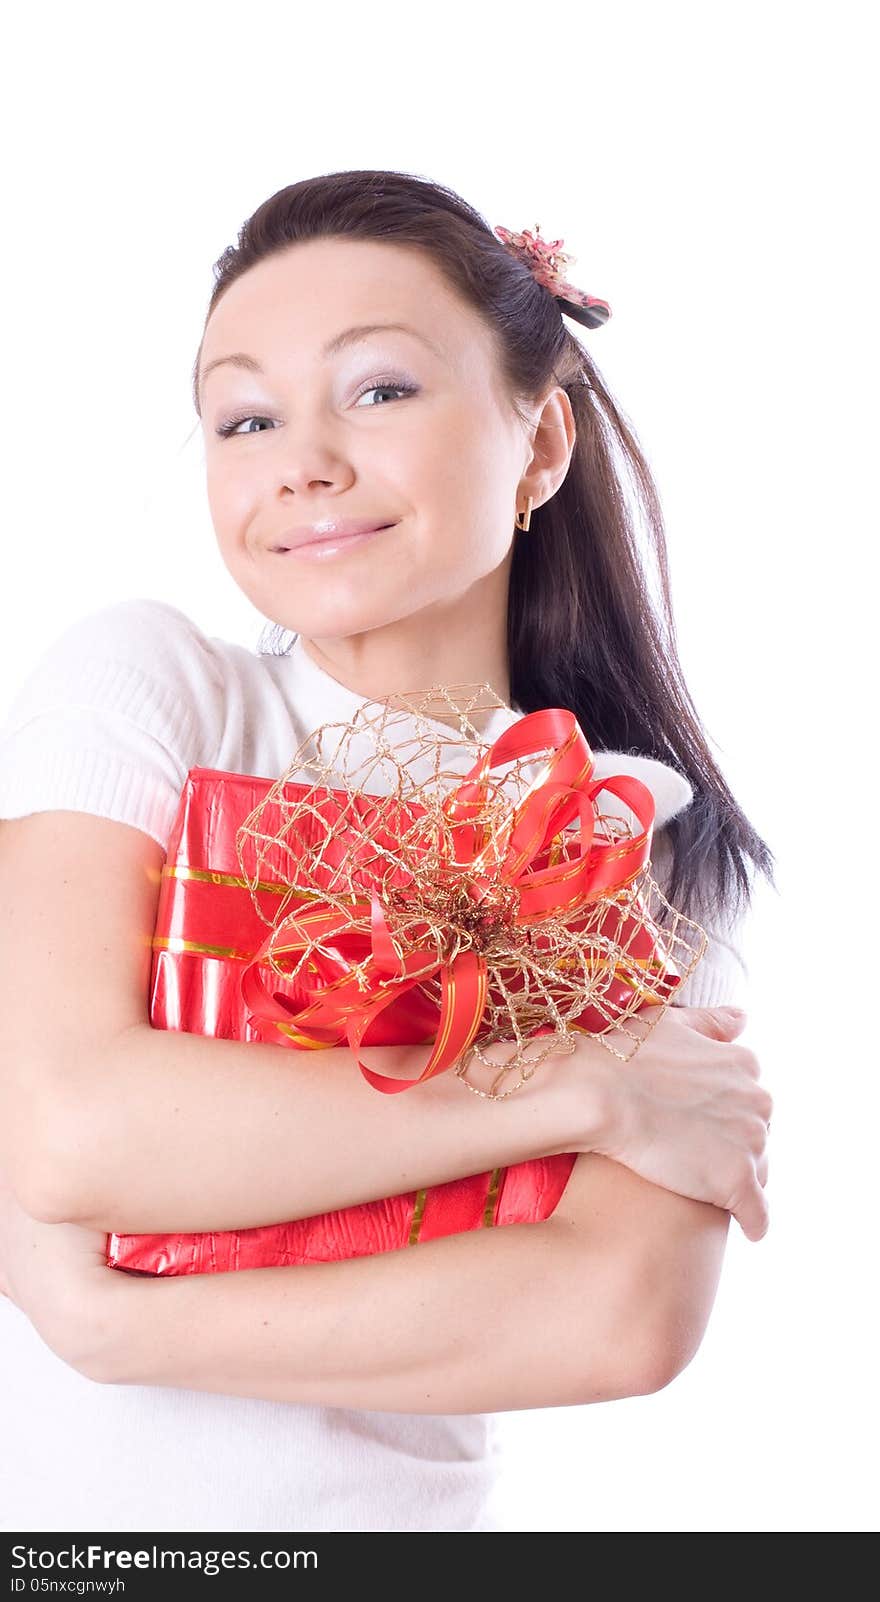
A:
(58, 1275)
(687, 1113)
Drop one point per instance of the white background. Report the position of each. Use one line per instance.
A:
(713, 171)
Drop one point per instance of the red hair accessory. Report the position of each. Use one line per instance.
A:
(547, 263)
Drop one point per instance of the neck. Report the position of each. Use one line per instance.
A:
(405, 660)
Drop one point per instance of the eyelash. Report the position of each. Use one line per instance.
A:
(227, 428)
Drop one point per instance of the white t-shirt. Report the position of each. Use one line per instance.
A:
(113, 716)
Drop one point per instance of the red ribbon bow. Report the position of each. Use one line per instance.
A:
(347, 1005)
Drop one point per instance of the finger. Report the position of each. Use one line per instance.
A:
(752, 1213)
(718, 1023)
(751, 1065)
(756, 1134)
(761, 1167)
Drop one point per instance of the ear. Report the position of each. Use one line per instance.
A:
(552, 444)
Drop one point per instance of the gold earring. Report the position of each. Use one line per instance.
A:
(526, 515)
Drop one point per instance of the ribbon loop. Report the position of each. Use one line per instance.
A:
(492, 917)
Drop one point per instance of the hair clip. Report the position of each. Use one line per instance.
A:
(547, 263)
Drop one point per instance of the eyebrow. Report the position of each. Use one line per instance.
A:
(348, 336)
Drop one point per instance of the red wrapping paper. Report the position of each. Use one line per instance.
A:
(207, 935)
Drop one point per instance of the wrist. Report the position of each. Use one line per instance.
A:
(563, 1107)
(590, 1094)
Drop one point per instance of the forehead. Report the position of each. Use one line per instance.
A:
(305, 294)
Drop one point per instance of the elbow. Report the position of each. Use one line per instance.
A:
(637, 1368)
(47, 1179)
(674, 1345)
(663, 1333)
(48, 1200)
(669, 1361)
(676, 1294)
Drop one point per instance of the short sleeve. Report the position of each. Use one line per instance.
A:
(112, 717)
(721, 976)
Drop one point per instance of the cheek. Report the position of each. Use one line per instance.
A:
(229, 500)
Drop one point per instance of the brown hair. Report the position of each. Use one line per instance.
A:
(582, 630)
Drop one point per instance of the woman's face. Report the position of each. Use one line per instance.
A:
(405, 428)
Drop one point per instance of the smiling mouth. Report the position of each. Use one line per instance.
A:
(332, 539)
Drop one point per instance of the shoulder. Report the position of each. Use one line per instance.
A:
(149, 634)
(721, 976)
(121, 657)
(670, 790)
(113, 714)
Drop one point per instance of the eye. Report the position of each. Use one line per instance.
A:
(386, 385)
(234, 423)
(377, 385)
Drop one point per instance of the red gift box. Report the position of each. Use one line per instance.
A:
(208, 935)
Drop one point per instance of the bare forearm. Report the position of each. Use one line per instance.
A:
(496, 1319)
(192, 1133)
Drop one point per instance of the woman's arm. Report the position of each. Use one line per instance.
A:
(107, 1121)
(607, 1298)
(193, 1133)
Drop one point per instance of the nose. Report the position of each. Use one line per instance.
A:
(309, 463)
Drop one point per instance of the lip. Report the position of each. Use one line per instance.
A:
(335, 545)
(330, 531)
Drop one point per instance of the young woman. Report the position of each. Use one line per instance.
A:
(374, 357)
